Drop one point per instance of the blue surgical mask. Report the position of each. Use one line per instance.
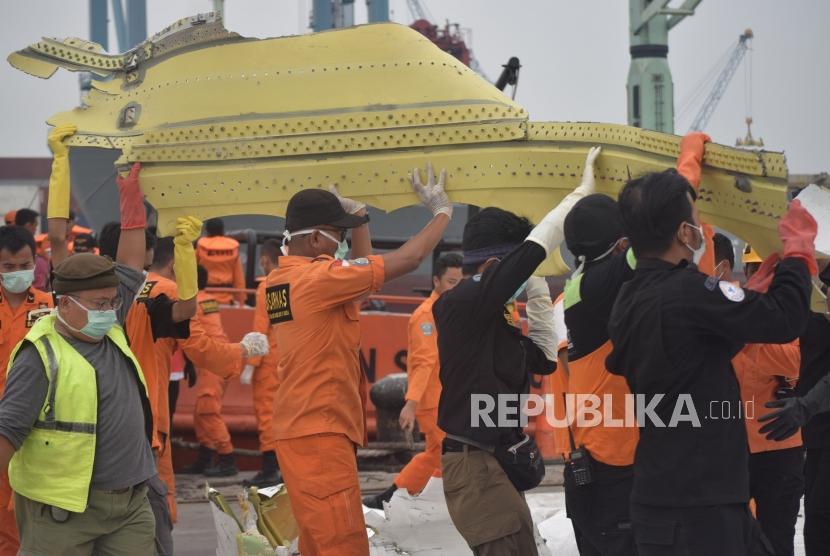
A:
(98, 323)
(18, 281)
(697, 254)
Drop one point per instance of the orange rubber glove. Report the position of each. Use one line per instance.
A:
(133, 215)
(761, 280)
(691, 157)
(798, 231)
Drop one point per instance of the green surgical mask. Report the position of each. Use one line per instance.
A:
(18, 281)
(98, 323)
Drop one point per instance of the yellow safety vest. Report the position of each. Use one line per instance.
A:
(54, 463)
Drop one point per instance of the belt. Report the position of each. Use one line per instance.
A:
(449, 445)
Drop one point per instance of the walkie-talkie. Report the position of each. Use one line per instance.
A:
(579, 465)
(579, 462)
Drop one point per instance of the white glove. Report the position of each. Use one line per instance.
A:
(549, 233)
(432, 193)
(247, 374)
(255, 343)
(540, 322)
(349, 205)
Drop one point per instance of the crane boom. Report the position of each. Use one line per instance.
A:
(418, 10)
(712, 100)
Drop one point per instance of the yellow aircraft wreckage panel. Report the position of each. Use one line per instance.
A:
(228, 125)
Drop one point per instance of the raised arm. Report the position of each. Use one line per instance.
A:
(184, 267)
(361, 239)
(408, 256)
(689, 165)
(131, 241)
(57, 213)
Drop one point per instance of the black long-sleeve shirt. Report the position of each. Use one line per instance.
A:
(815, 365)
(674, 332)
(481, 351)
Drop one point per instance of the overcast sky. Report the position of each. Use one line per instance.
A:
(574, 55)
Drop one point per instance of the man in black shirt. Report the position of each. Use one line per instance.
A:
(674, 332)
(599, 510)
(485, 365)
(809, 410)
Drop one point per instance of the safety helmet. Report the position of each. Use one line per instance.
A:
(750, 256)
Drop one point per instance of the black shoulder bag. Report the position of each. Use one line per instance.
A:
(521, 460)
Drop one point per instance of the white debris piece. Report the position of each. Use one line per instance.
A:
(226, 531)
(421, 525)
(415, 525)
(552, 523)
(817, 202)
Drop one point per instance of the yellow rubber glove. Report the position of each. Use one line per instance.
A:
(184, 256)
(59, 180)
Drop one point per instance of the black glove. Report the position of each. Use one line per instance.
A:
(189, 372)
(786, 421)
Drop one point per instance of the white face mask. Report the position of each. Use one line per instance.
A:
(581, 259)
(697, 254)
(340, 254)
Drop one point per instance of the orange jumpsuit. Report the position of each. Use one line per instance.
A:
(219, 255)
(140, 333)
(222, 359)
(424, 387)
(758, 368)
(265, 381)
(210, 428)
(14, 325)
(320, 414)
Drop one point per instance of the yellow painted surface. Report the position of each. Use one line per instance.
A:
(226, 125)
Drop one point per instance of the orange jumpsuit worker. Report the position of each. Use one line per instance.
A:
(312, 303)
(211, 430)
(423, 385)
(220, 358)
(263, 373)
(20, 306)
(776, 475)
(220, 257)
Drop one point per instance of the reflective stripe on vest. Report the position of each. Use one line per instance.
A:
(50, 423)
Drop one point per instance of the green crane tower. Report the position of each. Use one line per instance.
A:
(650, 88)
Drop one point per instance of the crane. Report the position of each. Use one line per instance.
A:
(451, 38)
(722, 82)
(418, 10)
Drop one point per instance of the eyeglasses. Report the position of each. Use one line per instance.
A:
(105, 305)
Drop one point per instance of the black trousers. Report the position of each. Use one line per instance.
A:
(817, 502)
(776, 482)
(599, 511)
(725, 530)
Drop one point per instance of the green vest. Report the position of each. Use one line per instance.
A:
(54, 463)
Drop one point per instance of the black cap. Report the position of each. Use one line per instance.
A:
(592, 226)
(317, 207)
